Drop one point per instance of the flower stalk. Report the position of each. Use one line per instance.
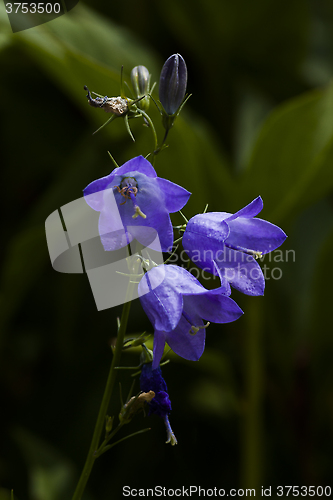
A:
(95, 451)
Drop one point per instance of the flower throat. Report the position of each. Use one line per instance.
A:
(128, 189)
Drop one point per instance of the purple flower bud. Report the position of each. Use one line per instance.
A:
(173, 82)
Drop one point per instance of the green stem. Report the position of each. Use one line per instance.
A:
(178, 240)
(100, 423)
(159, 148)
(101, 449)
(150, 121)
(124, 439)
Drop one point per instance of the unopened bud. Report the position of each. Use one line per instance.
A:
(108, 424)
(173, 82)
(140, 79)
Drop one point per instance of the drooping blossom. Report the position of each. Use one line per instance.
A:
(134, 203)
(177, 305)
(152, 380)
(229, 244)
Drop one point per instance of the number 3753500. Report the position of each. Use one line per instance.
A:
(32, 8)
(304, 491)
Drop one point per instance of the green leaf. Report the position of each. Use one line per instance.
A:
(291, 162)
(82, 48)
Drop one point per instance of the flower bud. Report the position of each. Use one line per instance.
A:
(140, 79)
(108, 424)
(173, 82)
(135, 342)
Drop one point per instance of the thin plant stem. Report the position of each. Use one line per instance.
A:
(124, 438)
(150, 121)
(100, 423)
(178, 240)
(101, 449)
(159, 148)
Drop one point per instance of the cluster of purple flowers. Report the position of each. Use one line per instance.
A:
(223, 244)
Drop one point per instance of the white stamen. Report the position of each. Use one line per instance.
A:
(195, 329)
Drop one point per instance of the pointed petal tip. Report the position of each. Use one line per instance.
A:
(259, 199)
(258, 203)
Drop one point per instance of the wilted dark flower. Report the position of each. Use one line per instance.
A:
(229, 244)
(152, 380)
(132, 199)
(134, 405)
(176, 304)
(173, 82)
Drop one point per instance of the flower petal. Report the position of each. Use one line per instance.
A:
(137, 164)
(115, 239)
(165, 232)
(183, 343)
(175, 197)
(242, 271)
(145, 235)
(161, 293)
(94, 192)
(210, 225)
(160, 301)
(160, 405)
(183, 281)
(158, 349)
(251, 210)
(117, 214)
(147, 230)
(204, 238)
(224, 289)
(255, 234)
(110, 226)
(214, 307)
(151, 379)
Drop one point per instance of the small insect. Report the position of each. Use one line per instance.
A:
(125, 107)
(116, 105)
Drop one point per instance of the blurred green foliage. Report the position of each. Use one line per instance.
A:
(260, 121)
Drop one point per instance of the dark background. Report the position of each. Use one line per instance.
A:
(257, 409)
